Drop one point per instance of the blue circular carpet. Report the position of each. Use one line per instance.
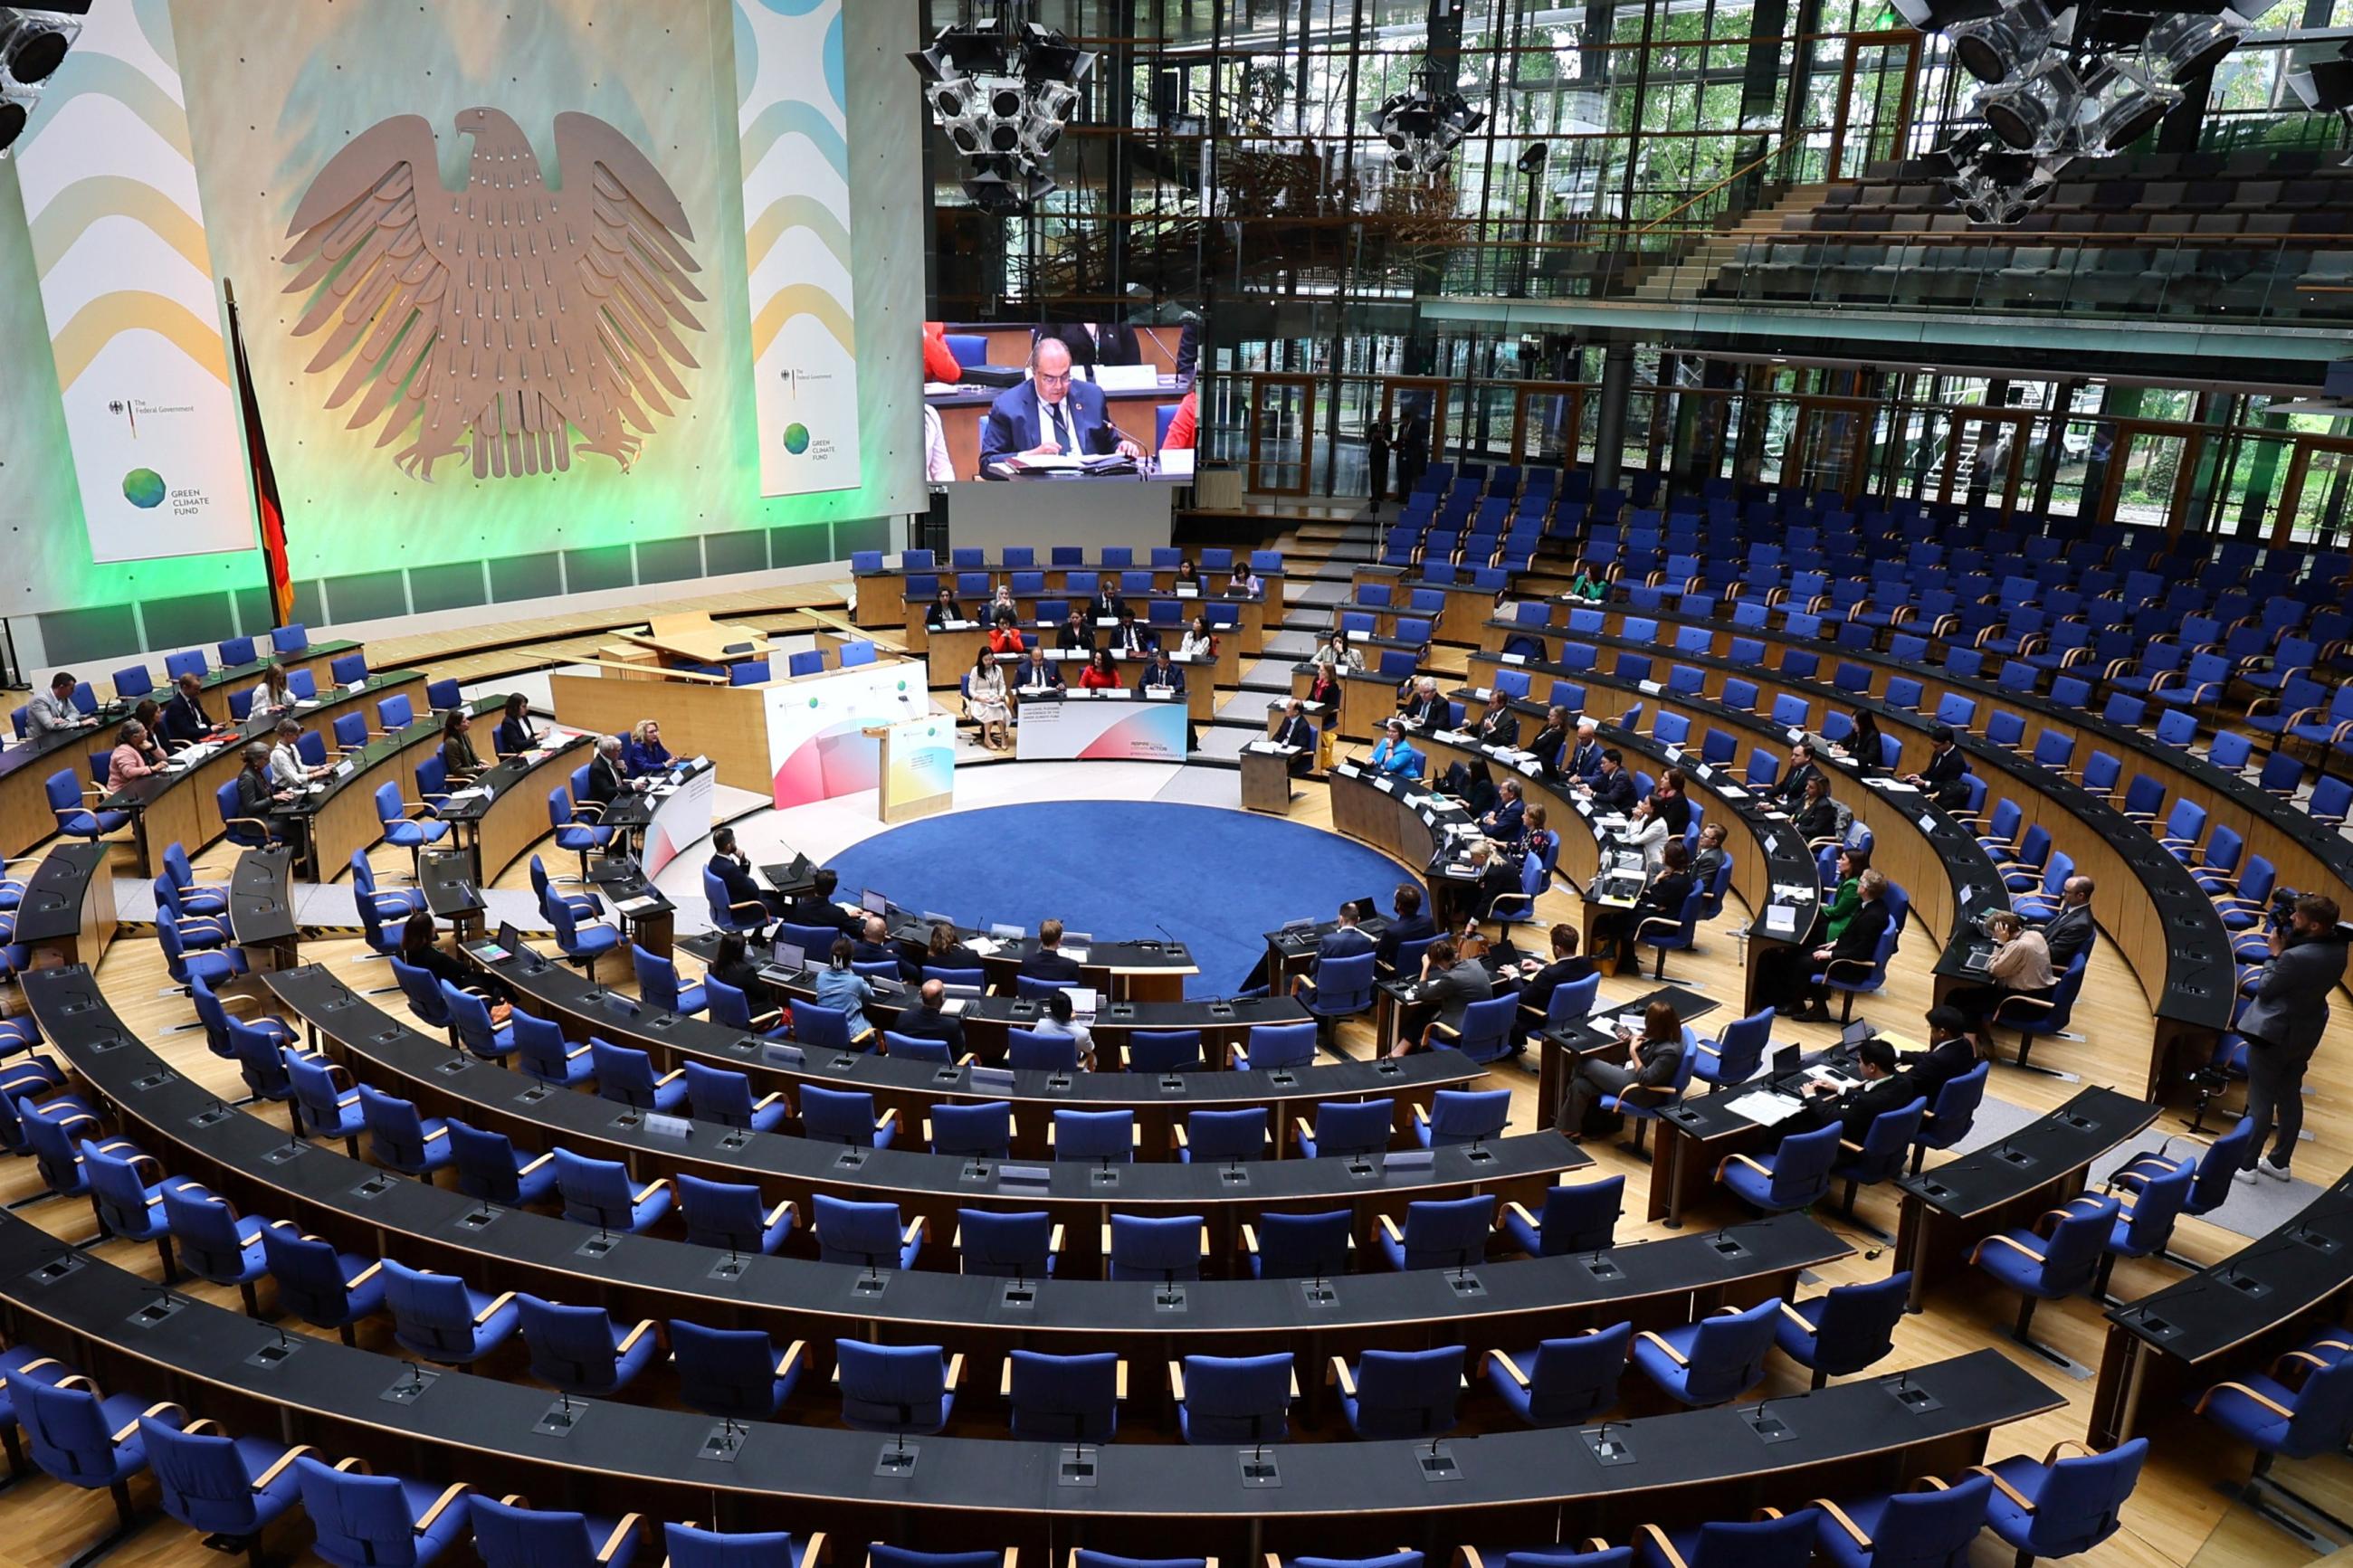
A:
(1218, 879)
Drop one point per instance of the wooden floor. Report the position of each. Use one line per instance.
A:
(2179, 1515)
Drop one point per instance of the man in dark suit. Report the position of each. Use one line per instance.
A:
(1048, 962)
(1344, 940)
(1293, 728)
(1107, 604)
(2282, 1026)
(1050, 415)
(924, 1021)
(1500, 726)
(607, 779)
(1853, 1111)
(1420, 705)
(1160, 670)
(1582, 760)
(1946, 770)
(1791, 789)
(1129, 640)
(816, 907)
(1093, 344)
(184, 720)
(1035, 670)
(871, 943)
(2072, 930)
(1612, 788)
(1408, 923)
(733, 869)
(1567, 968)
(1951, 1052)
(1507, 823)
(1850, 957)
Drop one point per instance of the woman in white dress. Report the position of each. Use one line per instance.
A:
(985, 701)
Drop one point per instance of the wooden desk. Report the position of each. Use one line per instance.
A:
(1266, 781)
(181, 808)
(67, 909)
(697, 639)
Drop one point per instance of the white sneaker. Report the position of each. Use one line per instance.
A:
(2245, 1176)
(2276, 1171)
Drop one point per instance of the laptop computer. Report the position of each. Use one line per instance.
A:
(789, 955)
(1786, 1058)
(1979, 961)
(873, 903)
(1854, 1034)
(1004, 932)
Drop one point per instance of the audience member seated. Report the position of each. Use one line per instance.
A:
(843, 989)
(816, 907)
(733, 866)
(1612, 788)
(516, 732)
(1450, 984)
(1656, 1063)
(1407, 924)
(2020, 966)
(1395, 756)
(1662, 898)
(926, 1021)
(645, 755)
(1101, 674)
(1049, 962)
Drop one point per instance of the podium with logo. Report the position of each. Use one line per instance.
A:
(916, 771)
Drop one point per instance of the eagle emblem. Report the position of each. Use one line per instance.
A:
(504, 317)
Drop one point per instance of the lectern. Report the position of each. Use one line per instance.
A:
(915, 767)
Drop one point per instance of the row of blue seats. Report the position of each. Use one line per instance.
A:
(1158, 558)
(232, 1490)
(134, 681)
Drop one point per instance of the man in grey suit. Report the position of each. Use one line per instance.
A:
(1450, 984)
(2071, 930)
(2283, 1023)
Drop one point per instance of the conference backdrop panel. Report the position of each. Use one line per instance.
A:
(685, 171)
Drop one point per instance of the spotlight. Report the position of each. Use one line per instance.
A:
(33, 43)
(1990, 47)
(2035, 110)
(1531, 162)
(2180, 46)
(2126, 103)
(1002, 91)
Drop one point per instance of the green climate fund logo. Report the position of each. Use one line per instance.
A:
(143, 488)
(797, 439)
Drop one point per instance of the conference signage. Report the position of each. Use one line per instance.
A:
(922, 765)
(680, 820)
(791, 120)
(817, 748)
(110, 190)
(1101, 730)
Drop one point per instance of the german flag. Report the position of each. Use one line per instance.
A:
(265, 478)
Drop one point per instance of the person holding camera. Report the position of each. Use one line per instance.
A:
(2283, 1024)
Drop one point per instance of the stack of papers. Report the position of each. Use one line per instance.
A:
(1766, 1107)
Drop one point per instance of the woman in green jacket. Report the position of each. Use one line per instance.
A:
(1851, 864)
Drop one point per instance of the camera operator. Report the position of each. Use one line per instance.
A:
(2283, 1024)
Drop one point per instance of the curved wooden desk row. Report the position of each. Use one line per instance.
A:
(2310, 855)
(1775, 855)
(1918, 845)
(179, 805)
(68, 905)
(884, 603)
(913, 1087)
(1143, 971)
(2145, 899)
(2228, 1318)
(1331, 1497)
(25, 767)
(386, 1054)
(369, 1211)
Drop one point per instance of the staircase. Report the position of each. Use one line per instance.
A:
(1693, 271)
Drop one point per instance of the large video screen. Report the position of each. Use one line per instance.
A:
(1082, 398)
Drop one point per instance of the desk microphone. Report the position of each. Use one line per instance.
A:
(1163, 931)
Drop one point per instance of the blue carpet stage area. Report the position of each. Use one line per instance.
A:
(1218, 879)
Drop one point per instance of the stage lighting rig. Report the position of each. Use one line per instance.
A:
(1423, 127)
(1002, 90)
(2079, 82)
(33, 43)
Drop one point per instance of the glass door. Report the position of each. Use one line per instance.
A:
(1984, 461)
(2315, 503)
(1829, 446)
(1544, 421)
(1281, 414)
(1874, 102)
(1422, 397)
(2149, 476)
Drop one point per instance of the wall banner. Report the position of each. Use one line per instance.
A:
(791, 117)
(108, 182)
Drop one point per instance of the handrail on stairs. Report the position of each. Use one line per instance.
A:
(1702, 195)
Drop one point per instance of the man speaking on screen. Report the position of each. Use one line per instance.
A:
(1050, 415)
